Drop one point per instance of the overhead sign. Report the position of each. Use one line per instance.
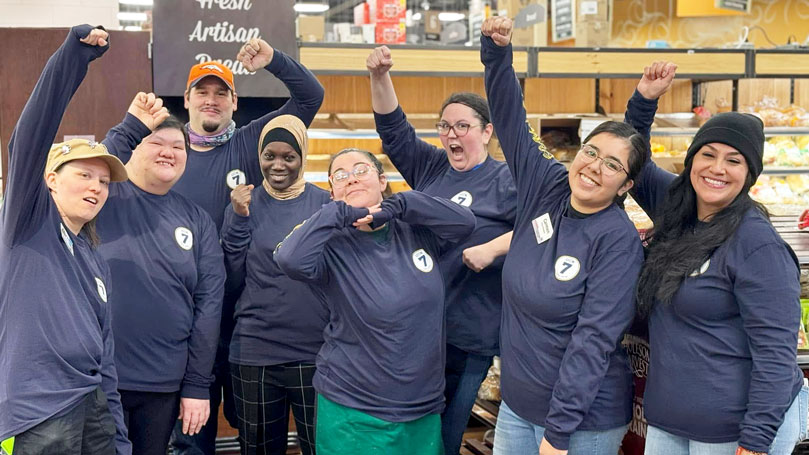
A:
(187, 32)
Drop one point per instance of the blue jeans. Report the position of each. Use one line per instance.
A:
(514, 435)
(791, 431)
(464, 372)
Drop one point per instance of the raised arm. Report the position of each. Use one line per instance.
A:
(305, 92)
(606, 313)
(652, 183)
(26, 195)
(415, 159)
(301, 255)
(533, 167)
(236, 236)
(305, 98)
(145, 113)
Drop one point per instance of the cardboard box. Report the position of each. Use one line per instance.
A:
(593, 10)
(387, 11)
(391, 33)
(530, 21)
(311, 29)
(593, 33)
(432, 26)
(362, 14)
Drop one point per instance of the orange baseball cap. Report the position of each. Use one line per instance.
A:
(205, 69)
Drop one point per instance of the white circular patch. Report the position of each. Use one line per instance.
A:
(235, 178)
(423, 261)
(566, 268)
(463, 199)
(702, 269)
(184, 238)
(102, 290)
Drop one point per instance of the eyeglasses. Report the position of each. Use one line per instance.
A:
(361, 171)
(460, 128)
(611, 166)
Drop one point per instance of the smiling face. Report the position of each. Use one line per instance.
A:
(210, 105)
(363, 191)
(467, 151)
(592, 189)
(280, 164)
(718, 174)
(158, 161)
(79, 188)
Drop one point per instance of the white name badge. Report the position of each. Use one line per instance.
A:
(66, 238)
(464, 198)
(543, 228)
(102, 290)
(566, 268)
(422, 261)
(184, 238)
(235, 178)
(702, 269)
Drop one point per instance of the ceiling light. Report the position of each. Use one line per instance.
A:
(137, 2)
(416, 17)
(311, 7)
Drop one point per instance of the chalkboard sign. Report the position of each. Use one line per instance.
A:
(563, 13)
(187, 32)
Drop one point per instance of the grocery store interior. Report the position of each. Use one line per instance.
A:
(578, 62)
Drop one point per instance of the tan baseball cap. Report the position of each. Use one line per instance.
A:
(82, 149)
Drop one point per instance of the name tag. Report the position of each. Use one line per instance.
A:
(543, 228)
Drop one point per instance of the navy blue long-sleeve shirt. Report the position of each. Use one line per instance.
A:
(568, 284)
(384, 347)
(278, 319)
(209, 176)
(725, 371)
(474, 300)
(56, 342)
(167, 264)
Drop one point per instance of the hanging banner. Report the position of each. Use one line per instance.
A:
(187, 32)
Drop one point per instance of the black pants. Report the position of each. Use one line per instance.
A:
(263, 396)
(87, 429)
(149, 418)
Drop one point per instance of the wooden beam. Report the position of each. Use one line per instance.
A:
(351, 60)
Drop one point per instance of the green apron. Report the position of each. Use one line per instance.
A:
(346, 431)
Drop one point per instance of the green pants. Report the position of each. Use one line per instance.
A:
(346, 431)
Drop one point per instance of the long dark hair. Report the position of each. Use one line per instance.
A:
(638, 148)
(676, 247)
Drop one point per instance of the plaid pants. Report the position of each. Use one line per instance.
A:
(263, 396)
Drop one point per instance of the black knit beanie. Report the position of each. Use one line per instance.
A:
(744, 132)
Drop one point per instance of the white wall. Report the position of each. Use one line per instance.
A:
(58, 13)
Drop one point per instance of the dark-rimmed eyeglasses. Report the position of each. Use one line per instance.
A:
(611, 166)
(460, 128)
